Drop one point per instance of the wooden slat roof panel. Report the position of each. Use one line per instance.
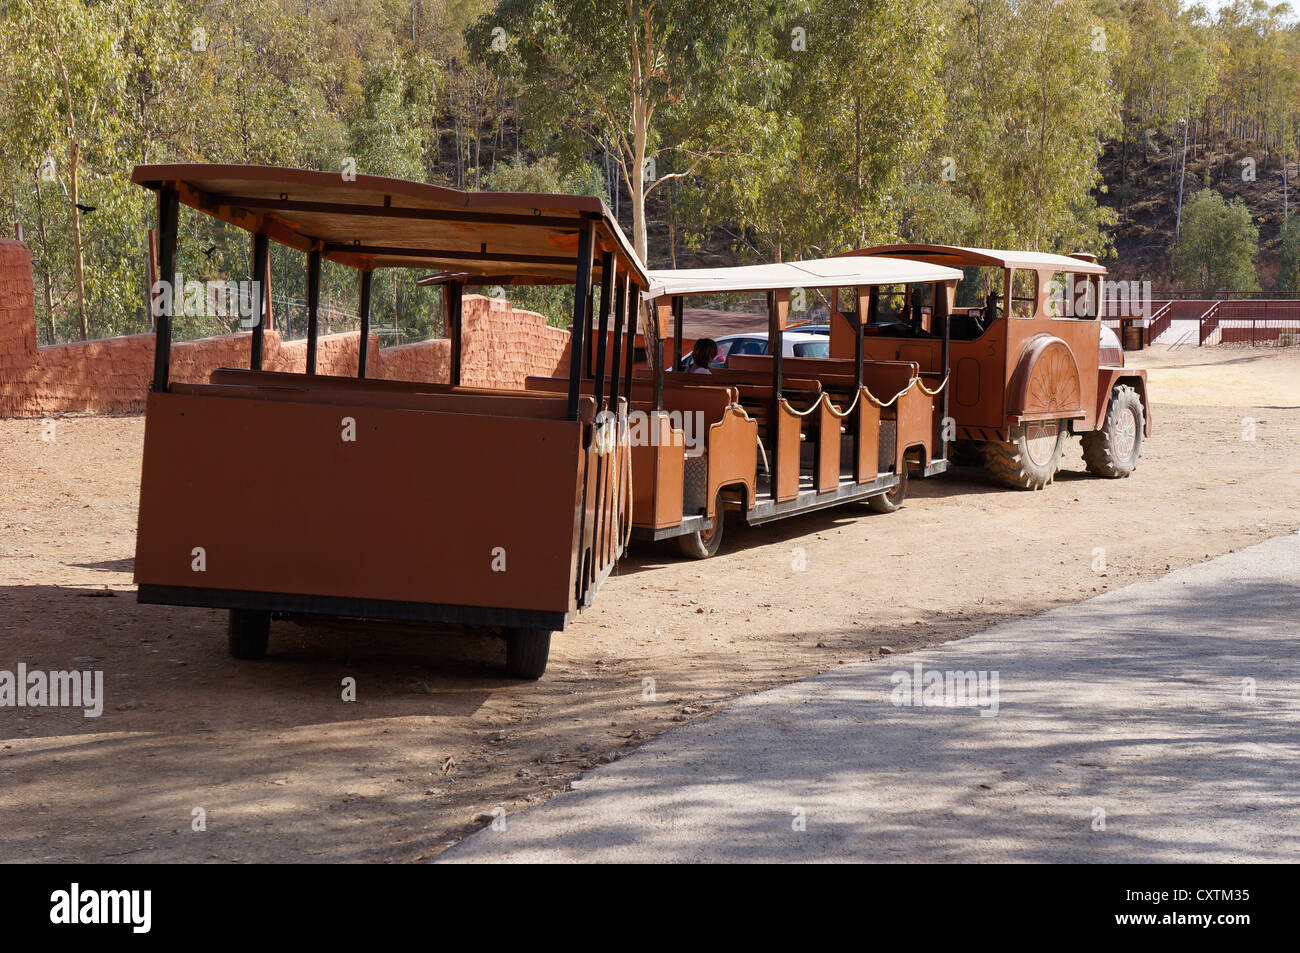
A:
(371, 221)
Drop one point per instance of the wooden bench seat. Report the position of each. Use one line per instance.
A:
(502, 404)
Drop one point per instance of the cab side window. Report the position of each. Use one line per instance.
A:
(1024, 293)
(1072, 296)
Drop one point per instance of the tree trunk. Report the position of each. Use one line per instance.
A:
(45, 259)
(79, 263)
(637, 175)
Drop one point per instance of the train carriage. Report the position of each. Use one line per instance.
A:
(306, 495)
(777, 436)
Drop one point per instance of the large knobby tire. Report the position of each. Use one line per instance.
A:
(1030, 459)
(527, 651)
(891, 501)
(966, 453)
(249, 631)
(705, 542)
(1113, 450)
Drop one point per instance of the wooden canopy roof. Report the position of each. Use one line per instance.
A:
(369, 222)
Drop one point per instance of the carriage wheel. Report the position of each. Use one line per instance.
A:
(891, 501)
(249, 631)
(527, 651)
(704, 543)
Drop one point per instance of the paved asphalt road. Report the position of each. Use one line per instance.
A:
(1135, 703)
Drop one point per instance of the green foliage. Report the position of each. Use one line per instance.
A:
(1217, 246)
(790, 128)
(663, 85)
(1288, 276)
(1030, 102)
(546, 175)
(862, 104)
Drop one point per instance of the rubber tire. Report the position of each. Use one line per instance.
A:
(893, 500)
(1011, 465)
(527, 652)
(249, 632)
(966, 453)
(702, 544)
(1100, 453)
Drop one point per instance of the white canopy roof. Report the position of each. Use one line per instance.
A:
(815, 273)
(957, 255)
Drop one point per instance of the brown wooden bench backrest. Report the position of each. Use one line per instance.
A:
(239, 375)
(883, 378)
(540, 406)
(710, 401)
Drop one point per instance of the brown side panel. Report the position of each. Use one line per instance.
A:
(978, 372)
(411, 511)
(789, 427)
(868, 423)
(828, 448)
(733, 455)
(658, 464)
(916, 411)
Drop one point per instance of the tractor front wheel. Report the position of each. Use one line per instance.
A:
(1113, 450)
(1030, 459)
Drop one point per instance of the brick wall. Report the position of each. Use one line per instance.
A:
(501, 346)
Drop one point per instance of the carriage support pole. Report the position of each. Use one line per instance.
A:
(947, 387)
(620, 311)
(313, 306)
(602, 340)
(633, 312)
(363, 307)
(776, 348)
(454, 292)
(581, 315)
(168, 209)
(679, 306)
(261, 252)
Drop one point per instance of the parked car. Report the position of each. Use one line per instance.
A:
(793, 344)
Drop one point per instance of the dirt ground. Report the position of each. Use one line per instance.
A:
(284, 770)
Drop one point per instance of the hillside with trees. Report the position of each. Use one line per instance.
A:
(718, 132)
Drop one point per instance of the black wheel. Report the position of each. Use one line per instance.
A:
(966, 453)
(705, 542)
(249, 632)
(527, 651)
(891, 501)
(1030, 459)
(1113, 450)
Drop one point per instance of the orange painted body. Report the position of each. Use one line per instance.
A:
(470, 508)
(1021, 369)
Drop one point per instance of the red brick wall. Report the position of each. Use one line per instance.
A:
(501, 346)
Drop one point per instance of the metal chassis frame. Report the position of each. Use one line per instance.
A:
(346, 607)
